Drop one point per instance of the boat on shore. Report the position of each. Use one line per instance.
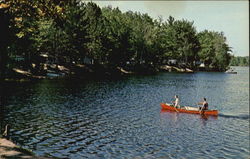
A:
(188, 109)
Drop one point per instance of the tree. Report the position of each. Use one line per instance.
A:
(5, 39)
(239, 61)
(214, 52)
(117, 37)
(70, 30)
(182, 41)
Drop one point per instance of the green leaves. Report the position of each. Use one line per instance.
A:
(214, 50)
(239, 61)
(70, 30)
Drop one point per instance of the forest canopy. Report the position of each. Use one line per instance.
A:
(69, 31)
(240, 61)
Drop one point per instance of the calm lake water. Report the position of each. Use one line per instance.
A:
(122, 118)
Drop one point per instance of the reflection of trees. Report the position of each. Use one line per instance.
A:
(47, 106)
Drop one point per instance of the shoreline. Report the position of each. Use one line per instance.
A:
(90, 72)
(8, 149)
(95, 72)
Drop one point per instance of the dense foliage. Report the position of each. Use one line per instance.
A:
(68, 31)
(240, 61)
(214, 51)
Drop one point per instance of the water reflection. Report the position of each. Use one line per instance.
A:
(123, 119)
(170, 114)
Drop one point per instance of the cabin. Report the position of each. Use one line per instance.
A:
(202, 66)
(172, 62)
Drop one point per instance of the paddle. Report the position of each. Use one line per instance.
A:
(174, 107)
(200, 111)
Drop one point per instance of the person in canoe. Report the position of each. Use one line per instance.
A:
(204, 105)
(176, 103)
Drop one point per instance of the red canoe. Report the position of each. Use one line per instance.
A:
(187, 109)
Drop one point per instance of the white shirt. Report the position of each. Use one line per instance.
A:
(177, 102)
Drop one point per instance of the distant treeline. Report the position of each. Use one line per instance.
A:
(240, 61)
(69, 31)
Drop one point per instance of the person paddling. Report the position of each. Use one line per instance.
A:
(177, 101)
(204, 105)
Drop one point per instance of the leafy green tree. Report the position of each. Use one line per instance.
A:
(117, 36)
(70, 30)
(214, 52)
(183, 41)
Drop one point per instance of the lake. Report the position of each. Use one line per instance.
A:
(122, 118)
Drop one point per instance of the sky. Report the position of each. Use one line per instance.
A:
(230, 17)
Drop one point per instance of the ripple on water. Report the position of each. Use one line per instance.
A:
(122, 118)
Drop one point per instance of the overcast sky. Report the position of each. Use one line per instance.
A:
(230, 17)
